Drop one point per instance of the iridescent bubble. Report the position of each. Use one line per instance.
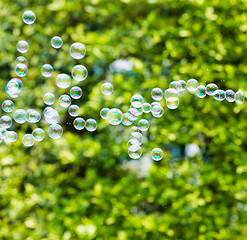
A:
(64, 101)
(21, 60)
(146, 107)
(74, 110)
(79, 123)
(175, 85)
(8, 106)
(5, 122)
(132, 144)
(126, 119)
(107, 88)
(79, 73)
(47, 70)
(157, 154)
(115, 116)
(192, 85)
(10, 136)
(21, 70)
(157, 111)
(134, 129)
(51, 115)
(56, 42)
(201, 91)
(2, 132)
(219, 95)
(28, 17)
(20, 116)
(104, 113)
(63, 80)
(157, 94)
(153, 104)
(171, 94)
(137, 136)
(91, 125)
(137, 101)
(14, 86)
(22, 46)
(143, 125)
(239, 97)
(33, 116)
(75, 92)
(55, 131)
(230, 95)
(211, 88)
(77, 50)
(182, 84)
(49, 98)
(135, 152)
(28, 140)
(38, 134)
(133, 113)
(172, 104)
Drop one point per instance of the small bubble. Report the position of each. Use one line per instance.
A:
(211, 88)
(64, 101)
(20, 116)
(47, 70)
(55, 131)
(157, 154)
(22, 46)
(219, 95)
(10, 136)
(74, 110)
(230, 95)
(192, 85)
(79, 123)
(91, 125)
(21, 70)
(49, 98)
(56, 42)
(28, 17)
(38, 134)
(107, 88)
(104, 113)
(28, 140)
(21, 60)
(63, 80)
(115, 116)
(157, 94)
(5, 122)
(201, 91)
(8, 106)
(76, 92)
(143, 125)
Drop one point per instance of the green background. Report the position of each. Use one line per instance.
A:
(82, 186)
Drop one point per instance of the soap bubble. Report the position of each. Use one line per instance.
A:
(135, 152)
(63, 80)
(2, 132)
(137, 101)
(239, 97)
(10, 136)
(28, 140)
(56, 42)
(157, 154)
(64, 100)
(55, 131)
(146, 107)
(115, 116)
(21, 60)
(201, 91)
(79, 123)
(79, 73)
(192, 85)
(38, 134)
(104, 113)
(182, 84)
(48, 98)
(230, 95)
(20, 116)
(137, 136)
(33, 116)
(107, 88)
(176, 85)
(75, 92)
(219, 95)
(211, 88)
(51, 115)
(143, 125)
(126, 119)
(28, 17)
(77, 50)
(8, 106)
(134, 129)
(21, 70)
(74, 110)
(171, 94)
(14, 86)
(22, 46)
(5, 122)
(132, 144)
(157, 111)
(157, 94)
(133, 113)
(172, 104)
(47, 70)
(91, 125)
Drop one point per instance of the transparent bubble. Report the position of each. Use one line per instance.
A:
(79, 73)
(77, 50)
(55, 131)
(20, 116)
(201, 91)
(135, 152)
(239, 97)
(126, 119)
(2, 132)
(8, 106)
(21, 60)
(33, 116)
(22, 46)
(171, 94)
(137, 101)
(104, 113)
(172, 104)
(38, 134)
(14, 86)
(157, 94)
(157, 154)
(47, 70)
(230, 95)
(183, 85)
(76, 92)
(132, 143)
(134, 129)
(79, 123)
(10, 136)
(107, 88)
(157, 111)
(146, 107)
(219, 95)
(21, 70)
(49, 98)
(51, 115)
(175, 85)
(63, 80)
(211, 88)
(143, 125)
(64, 101)
(133, 113)
(137, 136)
(91, 125)
(115, 116)
(28, 17)
(28, 140)
(5, 122)
(74, 110)
(153, 104)
(56, 42)
(192, 85)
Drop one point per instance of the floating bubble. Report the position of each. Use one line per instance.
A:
(132, 144)
(171, 94)
(183, 85)
(135, 152)
(5, 122)
(63, 80)
(20, 116)
(75, 92)
(104, 113)
(33, 116)
(21, 60)
(239, 97)
(192, 85)
(28, 140)
(201, 91)
(2, 132)
(134, 129)
(175, 85)
(79, 123)
(157, 111)
(51, 115)
(157, 154)
(29, 17)
(56, 42)
(230, 95)
(79, 73)
(126, 119)
(157, 94)
(137, 136)
(74, 110)
(133, 113)
(8, 106)
(14, 86)
(153, 104)
(137, 101)
(211, 88)
(22, 46)
(47, 70)
(64, 101)
(115, 116)
(219, 95)
(77, 50)
(143, 125)
(38, 134)
(172, 104)
(107, 88)
(55, 131)
(10, 136)
(21, 70)
(146, 107)
(91, 125)
(49, 98)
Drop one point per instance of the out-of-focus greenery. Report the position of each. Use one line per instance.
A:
(76, 187)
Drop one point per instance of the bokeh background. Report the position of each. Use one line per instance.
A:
(84, 185)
